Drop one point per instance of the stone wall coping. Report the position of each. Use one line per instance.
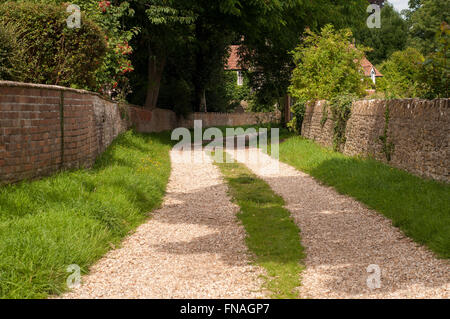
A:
(384, 100)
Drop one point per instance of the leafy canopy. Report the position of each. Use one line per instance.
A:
(402, 72)
(51, 53)
(327, 65)
(425, 17)
(386, 40)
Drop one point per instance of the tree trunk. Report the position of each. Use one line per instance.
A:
(203, 101)
(155, 70)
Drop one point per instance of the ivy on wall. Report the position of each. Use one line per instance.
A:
(387, 146)
(298, 110)
(324, 118)
(341, 110)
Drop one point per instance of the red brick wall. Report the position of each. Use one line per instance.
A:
(46, 128)
(229, 119)
(148, 121)
(32, 142)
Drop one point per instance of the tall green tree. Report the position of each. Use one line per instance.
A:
(164, 26)
(214, 29)
(425, 17)
(267, 45)
(437, 67)
(391, 37)
(270, 29)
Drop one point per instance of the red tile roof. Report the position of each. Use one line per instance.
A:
(367, 67)
(233, 60)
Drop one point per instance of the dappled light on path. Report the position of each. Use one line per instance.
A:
(342, 238)
(193, 247)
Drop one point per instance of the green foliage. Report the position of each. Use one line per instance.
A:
(268, 31)
(165, 30)
(177, 95)
(112, 74)
(324, 117)
(237, 92)
(298, 110)
(327, 66)
(341, 110)
(425, 18)
(386, 40)
(224, 94)
(387, 146)
(436, 71)
(407, 74)
(11, 61)
(272, 30)
(53, 53)
(419, 207)
(75, 217)
(402, 73)
(272, 235)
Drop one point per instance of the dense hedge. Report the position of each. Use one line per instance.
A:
(9, 53)
(327, 66)
(52, 52)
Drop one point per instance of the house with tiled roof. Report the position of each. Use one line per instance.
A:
(233, 65)
(370, 70)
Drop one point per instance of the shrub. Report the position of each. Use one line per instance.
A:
(9, 53)
(327, 65)
(298, 110)
(54, 53)
(407, 74)
(402, 72)
(112, 76)
(224, 94)
(436, 71)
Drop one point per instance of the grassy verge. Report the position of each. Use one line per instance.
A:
(272, 235)
(421, 208)
(75, 217)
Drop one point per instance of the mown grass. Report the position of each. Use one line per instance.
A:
(419, 207)
(75, 217)
(272, 235)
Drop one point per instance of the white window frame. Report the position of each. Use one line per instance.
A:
(373, 75)
(240, 78)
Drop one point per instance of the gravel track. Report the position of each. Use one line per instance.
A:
(193, 247)
(342, 238)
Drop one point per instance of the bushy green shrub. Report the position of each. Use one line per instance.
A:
(402, 72)
(436, 68)
(9, 53)
(112, 75)
(224, 94)
(235, 91)
(408, 74)
(327, 65)
(298, 110)
(54, 53)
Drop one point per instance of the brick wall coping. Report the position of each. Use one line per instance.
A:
(80, 91)
(55, 88)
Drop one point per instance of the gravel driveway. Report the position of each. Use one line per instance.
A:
(193, 247)
(342, 238)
